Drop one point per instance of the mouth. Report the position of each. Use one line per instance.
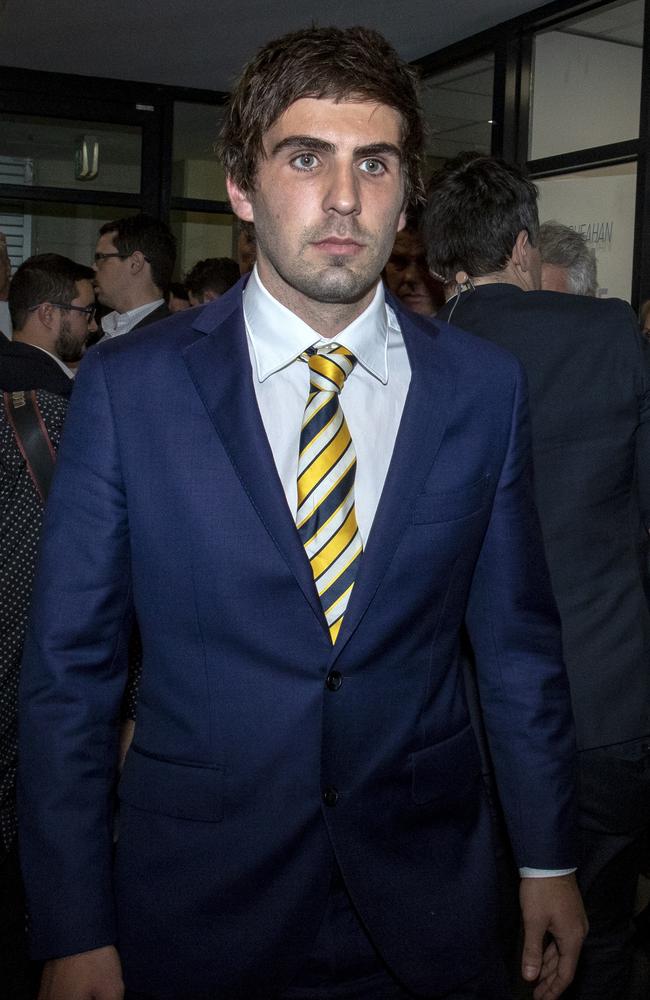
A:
(339, 246)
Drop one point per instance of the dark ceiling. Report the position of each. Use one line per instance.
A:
(195, 43)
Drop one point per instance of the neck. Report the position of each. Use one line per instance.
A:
(36, 338)
(134, 298)
(326, 318)
(511, 274)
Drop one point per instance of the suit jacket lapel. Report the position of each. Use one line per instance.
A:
(219, 365)
(421, 429)
(160, 312)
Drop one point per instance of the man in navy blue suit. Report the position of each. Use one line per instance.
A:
(304, 492)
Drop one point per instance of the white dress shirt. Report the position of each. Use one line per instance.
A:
(372, 398)
(114, 324)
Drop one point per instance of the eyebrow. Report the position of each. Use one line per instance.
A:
(316, 145)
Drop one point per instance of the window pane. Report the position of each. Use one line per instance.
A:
(55, 153)
(48, 227)
(201, 235)
(599, 204)
(586, 84)
(197, 172)
(458, 109)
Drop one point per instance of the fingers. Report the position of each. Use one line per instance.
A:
(531, 960)
(550, 985)
(557, 971)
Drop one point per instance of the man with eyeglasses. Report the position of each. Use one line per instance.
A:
(133, 265)
(52, 308)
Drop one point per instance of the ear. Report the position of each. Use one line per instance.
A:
(46, 314)
(210, 295)
(240, 201)
(137, 261)
(520, 251)
(401, 222)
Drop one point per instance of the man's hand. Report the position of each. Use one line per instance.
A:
(90, 975)
(551, 906)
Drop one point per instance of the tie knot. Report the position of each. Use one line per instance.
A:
(329, 367)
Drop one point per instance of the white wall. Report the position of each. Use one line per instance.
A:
(600, 205)
(586, 92)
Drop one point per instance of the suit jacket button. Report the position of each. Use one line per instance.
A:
(334, 680)
(330, 796)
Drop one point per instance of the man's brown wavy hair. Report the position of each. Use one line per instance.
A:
(339, 64)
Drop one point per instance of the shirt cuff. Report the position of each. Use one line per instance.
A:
(545, 872)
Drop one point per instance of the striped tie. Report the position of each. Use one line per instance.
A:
(326, 520)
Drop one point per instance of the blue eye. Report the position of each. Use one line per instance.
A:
(371, 166)
(306, 161)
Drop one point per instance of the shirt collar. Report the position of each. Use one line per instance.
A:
(114, 323)
(278, 336)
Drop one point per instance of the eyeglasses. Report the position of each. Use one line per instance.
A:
(99, 257)
(88, 310)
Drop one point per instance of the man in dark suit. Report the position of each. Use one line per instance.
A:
(134, 260)
(302, 807)
(52, 306)
(589, 377)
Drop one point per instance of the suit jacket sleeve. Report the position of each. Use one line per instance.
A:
(72, 683)
(514, 628)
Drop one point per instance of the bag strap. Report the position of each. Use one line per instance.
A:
(32, 438)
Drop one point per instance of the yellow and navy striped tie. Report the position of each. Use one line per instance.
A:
(327, 464)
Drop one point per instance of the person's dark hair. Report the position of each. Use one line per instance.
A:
(216, 274)
(152, 238)
(476, 207)
(339, 64)
(178, 290)
(46, 277)
(564, 247)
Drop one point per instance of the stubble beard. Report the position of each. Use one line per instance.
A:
(68, 347)
(334, 281)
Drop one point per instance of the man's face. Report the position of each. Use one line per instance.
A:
(327, 201)
(75, 326)
(111, 273)
(408, 276)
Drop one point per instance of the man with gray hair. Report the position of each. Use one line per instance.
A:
(568, 263)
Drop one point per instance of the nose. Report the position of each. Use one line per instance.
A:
(92, 325)
(411, 273)
(342, 193)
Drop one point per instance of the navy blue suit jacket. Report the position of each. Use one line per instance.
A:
(588, 371)
(226, 843)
